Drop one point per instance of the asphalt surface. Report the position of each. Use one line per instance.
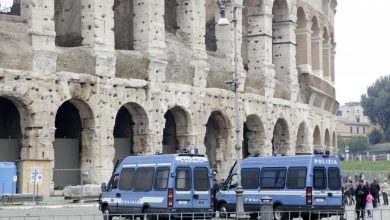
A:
(90, 211)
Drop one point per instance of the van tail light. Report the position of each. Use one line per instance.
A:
(309, 195)
(170, 198)
(212, 198)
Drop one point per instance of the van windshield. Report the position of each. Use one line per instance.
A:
(334, 180)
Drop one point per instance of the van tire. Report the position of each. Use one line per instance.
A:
(223, 211)
(146, 215)
(279, 214)
(106, 213)
(254, 215)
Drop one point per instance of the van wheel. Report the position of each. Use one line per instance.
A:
(106, 214)
(279, 214)
(254, 215)
(223, 211)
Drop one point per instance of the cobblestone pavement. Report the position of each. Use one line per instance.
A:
(91, 212)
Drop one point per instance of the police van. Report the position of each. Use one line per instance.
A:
(168, 183)
(309, 186)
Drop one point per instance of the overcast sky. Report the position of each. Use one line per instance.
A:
(362, 32)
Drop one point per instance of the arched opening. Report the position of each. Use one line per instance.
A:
(130, 131)
(281, 44)
(317, 137)
(170, 16)
(67, 18)
(316, 47)
(280, 140)
(67, 146)
(216, 140)
(326, 54)
(303, 37)
(254, 136)
(10, 131)
(302, 140)
(176, 131)
(334, 141)
(123, 24)
(10, 7)
(327, 138)
(210, 37)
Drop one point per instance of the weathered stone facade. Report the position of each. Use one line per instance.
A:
(146, 62)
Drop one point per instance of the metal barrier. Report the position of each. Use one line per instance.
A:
(349, 214)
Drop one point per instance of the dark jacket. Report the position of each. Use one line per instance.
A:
(361, 193)
(375, 188)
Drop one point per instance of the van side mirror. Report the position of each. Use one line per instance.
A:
(103, 187)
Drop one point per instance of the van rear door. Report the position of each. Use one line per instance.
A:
(183, 188)
(201, 195)
(334, 186)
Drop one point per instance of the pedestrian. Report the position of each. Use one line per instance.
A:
(374, 190)
(384, 189)
(361, 193)
(369, 206)
(348, 192)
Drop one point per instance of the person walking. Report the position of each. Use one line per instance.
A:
(361, 193)
(349, 192)
(384, 189)
(369, 206)
(374, 190)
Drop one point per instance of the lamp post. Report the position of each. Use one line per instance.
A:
(223, 21)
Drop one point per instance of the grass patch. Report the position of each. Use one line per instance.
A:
(365, 165)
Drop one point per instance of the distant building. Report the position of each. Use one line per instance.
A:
(352, 122)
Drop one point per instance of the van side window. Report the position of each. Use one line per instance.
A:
(126, 179)
(334, 180)
(201, 179)
(183, 179)
(250, 178)
(273, 178)
(296, 177)
(161, 179)
(319, 178)
(143, 179)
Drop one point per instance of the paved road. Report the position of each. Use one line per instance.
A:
(91, 212)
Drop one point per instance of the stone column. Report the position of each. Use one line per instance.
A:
(326, 61)
(41, 28)
(316, 51)
(303, 50)
(284, 51)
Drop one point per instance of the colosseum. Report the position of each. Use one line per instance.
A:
(84, 83)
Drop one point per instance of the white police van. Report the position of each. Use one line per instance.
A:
(168, 183)
(305, 185)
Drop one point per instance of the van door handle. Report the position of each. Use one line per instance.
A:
(330, 194)
(118, 195)
(195, 196)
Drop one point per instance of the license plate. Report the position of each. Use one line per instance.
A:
(201, 202)
(182, 202)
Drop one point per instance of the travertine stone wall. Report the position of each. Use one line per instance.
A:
(282, 99)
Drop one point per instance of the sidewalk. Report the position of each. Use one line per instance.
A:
(51, 203)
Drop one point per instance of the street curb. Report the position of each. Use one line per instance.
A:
(42, 206)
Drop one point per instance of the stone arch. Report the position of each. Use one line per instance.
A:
(123, 24)
(11, 129)
(216, 140)
(10, 8)
(130, 131)
(254, 136)
(303, 37)
(302, 142)
(326, 53)
(280, 140)
(210, 37)
(74, 124)
(317, 137)
(327, 138)
(334, 140)
(316, 47)
(282, 29)
(177, 131)
(67, 18)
